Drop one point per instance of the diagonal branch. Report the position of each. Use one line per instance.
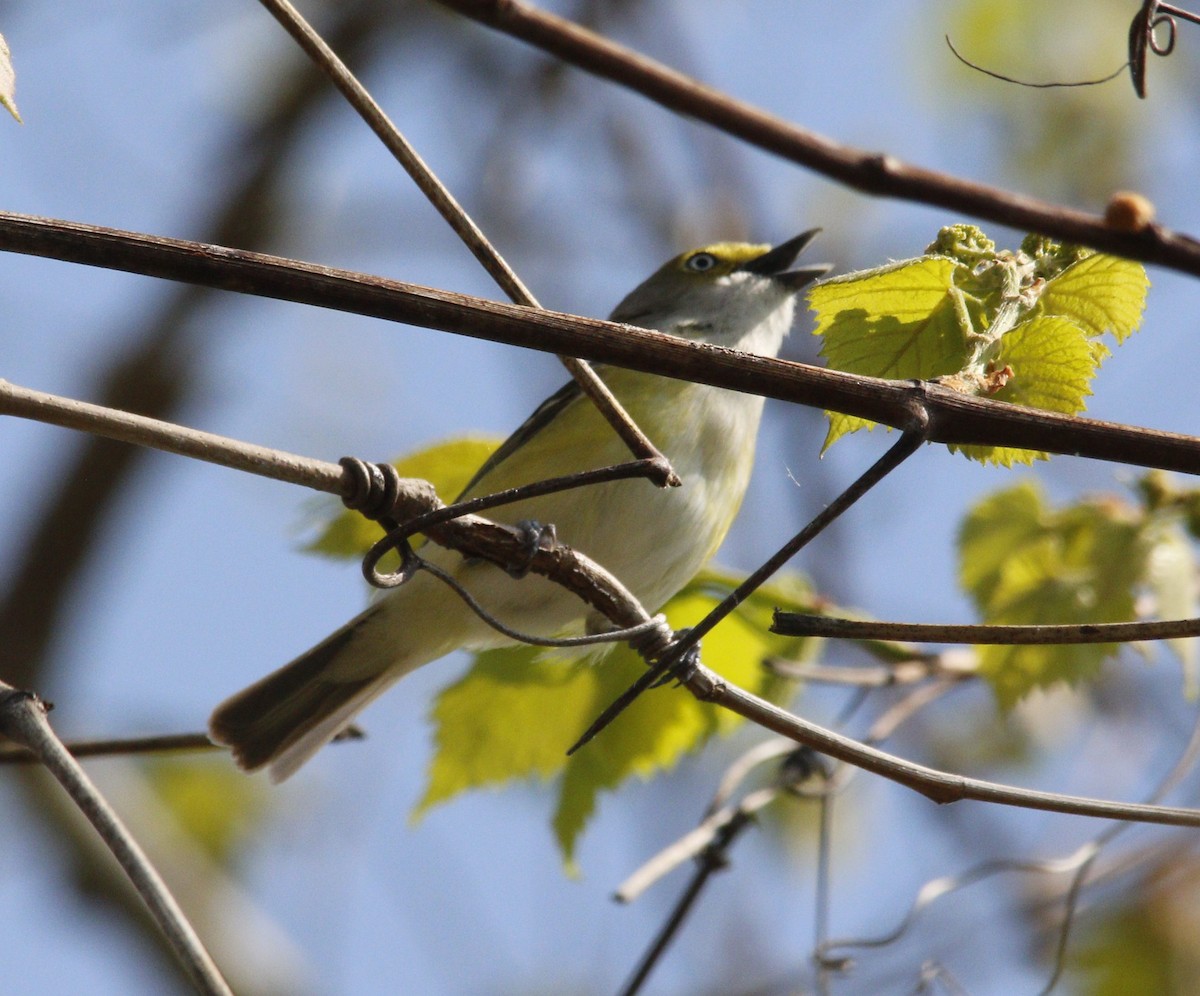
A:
(939, 786)
(23, 720)
(870, 172)
(462, 224)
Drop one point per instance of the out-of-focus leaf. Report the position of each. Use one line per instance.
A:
(1023, 563)
(516, 711)
(214, 803)
(1074, 144)
(1171, 575)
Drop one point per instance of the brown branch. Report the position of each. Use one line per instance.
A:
(939, 786)
(953, 418)
(803, 624)
(158, 744)
(872, 173)
(471, 535)
(508, 546)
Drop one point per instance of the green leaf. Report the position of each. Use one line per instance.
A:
(1139, 942)
(1020, 327)
(1052, 363)
(1023, 563)
(1099, 294)
(899, 321)
(515, 712)
(448, 466)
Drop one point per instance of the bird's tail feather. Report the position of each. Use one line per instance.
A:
(286, 717)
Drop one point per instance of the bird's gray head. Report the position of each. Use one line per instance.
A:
(728, 293)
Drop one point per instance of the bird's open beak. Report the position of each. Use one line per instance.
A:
(775, 262)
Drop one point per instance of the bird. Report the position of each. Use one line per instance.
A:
(732, 294)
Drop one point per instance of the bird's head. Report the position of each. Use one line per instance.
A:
(729, 293)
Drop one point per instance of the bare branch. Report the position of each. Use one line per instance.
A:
(471, 535)
(953, 417)
(938, 786)
(869, 172)
(164, 743)
(23, 720)
(804, 624)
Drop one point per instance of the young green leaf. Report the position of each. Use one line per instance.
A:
(1020, 327)
(899, 321)
(1052, 362)
(1099, 294)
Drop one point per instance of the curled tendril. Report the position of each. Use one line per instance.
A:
(1144, 35)
(1152, 38)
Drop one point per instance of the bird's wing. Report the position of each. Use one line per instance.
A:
(543, 415)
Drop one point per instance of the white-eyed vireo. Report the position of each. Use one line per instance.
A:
(654, 540)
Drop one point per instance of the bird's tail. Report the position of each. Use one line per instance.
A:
(285, 718)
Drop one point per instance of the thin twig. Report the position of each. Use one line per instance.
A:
(1089, 852)
(166, 743)
(1052, 85)
(462, 224)
(900, 450)
(804, 624)
(23, 720)
(868, 172)
(535, 489)
(1078, 862)
(875, 676)
(954, 417)
(684, 647)
(710, 844)
(712, 859)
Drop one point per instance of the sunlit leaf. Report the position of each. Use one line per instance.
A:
(1052, 364)
(900, 321)
(1021, 327)
(1099, 294)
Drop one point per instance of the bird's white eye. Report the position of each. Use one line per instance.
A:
(700, 262)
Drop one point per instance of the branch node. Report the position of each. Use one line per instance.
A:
(369, 488)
